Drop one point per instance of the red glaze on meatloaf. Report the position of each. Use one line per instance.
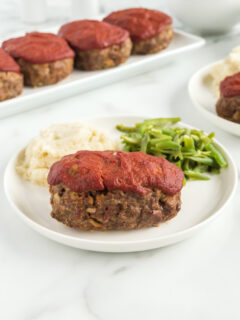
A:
(11, 80)
(7, 63)
(38, 48)
(230, 86)
(92, 34)
(142, 23)
(116, 170)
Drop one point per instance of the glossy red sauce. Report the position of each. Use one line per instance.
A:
(230, 86)
(116, 170)
(7, 63)
(142, 23)
(37, 47)
(91, 34)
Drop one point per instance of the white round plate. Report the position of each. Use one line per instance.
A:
(205, 101)
(31, 203)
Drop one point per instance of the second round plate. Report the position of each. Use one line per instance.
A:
(196, 212)
(205, 101)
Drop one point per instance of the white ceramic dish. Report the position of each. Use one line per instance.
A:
(197, 211)
(205, 101)
(214, 16)
(80, 81)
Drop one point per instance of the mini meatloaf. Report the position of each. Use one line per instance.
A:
(98, 45)
(11, 80)
(44, 58)
(150, 30)
(228, 105)
(114, 190)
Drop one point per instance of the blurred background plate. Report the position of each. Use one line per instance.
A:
(205, 101)
(80, 81)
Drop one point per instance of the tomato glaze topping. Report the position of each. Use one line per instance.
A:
(92, 34)
(230, 86)
(38, 47)
(7, 63)
(116, 170)
(142, 23)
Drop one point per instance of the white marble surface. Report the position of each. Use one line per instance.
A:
(196, 279)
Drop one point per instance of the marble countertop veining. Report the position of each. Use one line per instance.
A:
(196, 279)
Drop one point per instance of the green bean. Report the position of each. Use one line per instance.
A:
(177, 154)
(195, 137)
(167, 145)
(169, 132)
(188, 144)
(216, 155)
(153, 142)
(156, 132)
(185, 165)
(195, 175)
(159, 154)
(131, 140)
(123, 128)
(208, 161)
(144, 142)
(177, 138)
(211, 135)
(205, 139)
(201, 168)
(189, 154)
(160, 123)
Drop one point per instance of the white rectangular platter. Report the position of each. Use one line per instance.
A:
(80, 81)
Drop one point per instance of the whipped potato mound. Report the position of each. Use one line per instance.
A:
(229, 66)
(34, 162)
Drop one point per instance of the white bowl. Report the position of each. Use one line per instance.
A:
(206, 16)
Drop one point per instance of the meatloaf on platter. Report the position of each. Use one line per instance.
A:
(44, 58)
(150, 30)
(98, 45)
